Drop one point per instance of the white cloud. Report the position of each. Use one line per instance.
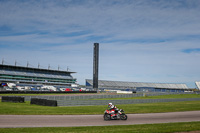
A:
(139, 40)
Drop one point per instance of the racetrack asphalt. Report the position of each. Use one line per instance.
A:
(13, 121)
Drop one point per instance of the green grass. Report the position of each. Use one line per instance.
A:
(27, 109)
(144, 128)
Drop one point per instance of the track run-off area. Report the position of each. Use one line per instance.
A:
(14, 121)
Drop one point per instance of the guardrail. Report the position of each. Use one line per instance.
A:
(117, 102)
(85, 100)
(100, 96)
(82, 100)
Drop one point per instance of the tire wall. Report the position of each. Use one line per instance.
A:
(43, 102)
(12, 99)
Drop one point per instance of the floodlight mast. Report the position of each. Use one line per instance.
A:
(95, 66)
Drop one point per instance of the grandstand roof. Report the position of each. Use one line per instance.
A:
(21, 68)
(105, 83)
(198, 84)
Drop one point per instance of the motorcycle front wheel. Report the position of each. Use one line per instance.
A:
(106, 117)
(123, 117)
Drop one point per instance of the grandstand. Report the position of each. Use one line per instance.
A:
(27, 76)
(139, 86)
(198, 85)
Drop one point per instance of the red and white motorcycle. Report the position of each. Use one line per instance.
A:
(114, 114)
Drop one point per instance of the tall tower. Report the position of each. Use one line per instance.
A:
(95, 66)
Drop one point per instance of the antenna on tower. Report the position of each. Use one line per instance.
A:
(58, 67)
(27, 63)
(2, 61)
(49, 66)
(67, 68)
(15, 63)
(38, 65)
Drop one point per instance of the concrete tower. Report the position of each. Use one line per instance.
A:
(95, 66)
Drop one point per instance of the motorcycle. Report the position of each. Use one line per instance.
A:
(117, 115)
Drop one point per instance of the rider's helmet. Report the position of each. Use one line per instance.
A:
(110, 105)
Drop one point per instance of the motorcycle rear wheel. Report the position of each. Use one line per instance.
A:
(106, 117)
(123, 117)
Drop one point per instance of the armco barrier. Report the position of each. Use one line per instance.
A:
(12, 99)
(79, 100)
(43, 102)
(116, 102)
(101, 96)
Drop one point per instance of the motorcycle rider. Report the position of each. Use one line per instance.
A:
(113, 110)
(111, 106)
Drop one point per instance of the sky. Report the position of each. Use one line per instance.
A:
(156, 41)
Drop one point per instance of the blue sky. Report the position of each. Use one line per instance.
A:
(140, 40)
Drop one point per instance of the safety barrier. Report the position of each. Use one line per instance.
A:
(12, 99)
(43, 102)
(117, 102)
(100, 96)
(82, 100)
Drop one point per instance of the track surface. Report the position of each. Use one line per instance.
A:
(94, 120)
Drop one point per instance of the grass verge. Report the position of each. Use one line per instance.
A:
(144, 128)
(26, 108)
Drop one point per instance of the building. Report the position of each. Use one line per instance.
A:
(198, 85)
(139, 86)
(27, 76)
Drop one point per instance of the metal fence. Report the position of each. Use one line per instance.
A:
(116, 102)
(100, 96)
(86, 100)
